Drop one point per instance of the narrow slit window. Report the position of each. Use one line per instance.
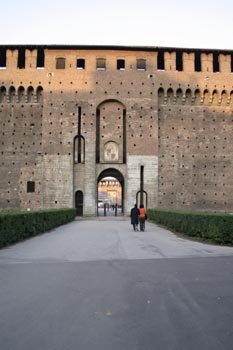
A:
(30, 186)
(60, 63)
(215, 62)
(80, 63)
(101, 63)
(141, 64)
(121, 64)
(79, 149)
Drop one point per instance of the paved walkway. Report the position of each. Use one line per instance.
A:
(97, 285)
(108, 239)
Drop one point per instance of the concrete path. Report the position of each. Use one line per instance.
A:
(108, 239)
(97, 285)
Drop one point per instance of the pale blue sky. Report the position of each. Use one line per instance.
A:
(190, 24)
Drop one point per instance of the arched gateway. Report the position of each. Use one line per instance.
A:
(110, 192)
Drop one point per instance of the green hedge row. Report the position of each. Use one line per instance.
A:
(16, 226)
(217, 228)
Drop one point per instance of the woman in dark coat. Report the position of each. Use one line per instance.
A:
(134, 217)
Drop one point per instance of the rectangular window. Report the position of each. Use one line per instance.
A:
(215, 62)
(30, 186)
(120, 64)
(60, 63)
(40, 58)
(101, 63)
(160, 60)
(141, 64)
(80, 63)
(2, 58)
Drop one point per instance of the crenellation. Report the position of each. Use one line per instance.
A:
(224, 63)
(207, 62)
(188, 62)
(170, 61)
(11, 59)
(31, 59)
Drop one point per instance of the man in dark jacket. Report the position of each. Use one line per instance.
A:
(134, 217)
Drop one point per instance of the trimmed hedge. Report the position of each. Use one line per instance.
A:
(214, 227)
(17, 226)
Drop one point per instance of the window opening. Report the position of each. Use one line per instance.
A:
(79, 149)
(40, 58)
(79, 142)
(3, 58)
(30, 186)
(101, 63)
(60, 63)
(120, 64)
(160, 60)
(141, 64)
(80, 63)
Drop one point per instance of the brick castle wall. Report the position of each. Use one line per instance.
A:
(171, 117)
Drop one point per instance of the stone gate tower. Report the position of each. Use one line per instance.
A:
(159, 120)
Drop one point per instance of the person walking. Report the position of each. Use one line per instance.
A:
(134, 213)
(142, 217)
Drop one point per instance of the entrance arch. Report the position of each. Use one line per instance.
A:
(109, 198)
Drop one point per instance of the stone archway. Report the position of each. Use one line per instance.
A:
(112, 195)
